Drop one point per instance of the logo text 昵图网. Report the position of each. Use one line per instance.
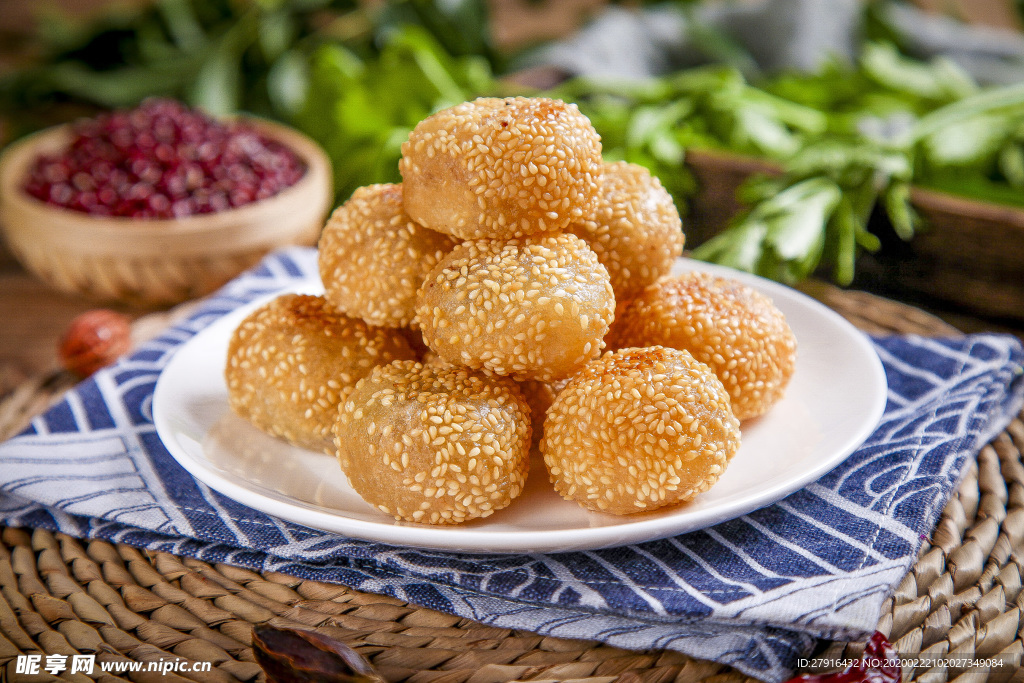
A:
(87, 664)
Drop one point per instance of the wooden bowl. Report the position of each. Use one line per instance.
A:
(155, 262)
(968, 253)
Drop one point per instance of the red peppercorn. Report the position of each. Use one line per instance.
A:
(162, 160)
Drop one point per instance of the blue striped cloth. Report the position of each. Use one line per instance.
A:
(755, 592)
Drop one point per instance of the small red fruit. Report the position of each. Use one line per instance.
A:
(94, 340)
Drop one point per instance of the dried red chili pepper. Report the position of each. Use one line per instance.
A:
(880, 663)
(289, 655)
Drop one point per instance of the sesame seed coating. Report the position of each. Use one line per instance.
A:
(414, 336)
(373, 257)
(433, 360)
(291, 362)
(539, 396)
(437, 445)
(528, 308)
(635, 229)
(731, 327)
(639, 429)
(500, 168)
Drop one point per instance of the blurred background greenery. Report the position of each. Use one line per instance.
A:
(843, 143)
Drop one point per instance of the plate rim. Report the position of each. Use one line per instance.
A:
(470, 540)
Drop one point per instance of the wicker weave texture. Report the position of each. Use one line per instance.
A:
(59, 595)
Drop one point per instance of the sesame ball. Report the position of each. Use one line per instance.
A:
(413, 335)
(291, 361)
(539, 396)
(373, 257)
(731, 327)
(500, 168)
(438, 445)
(433, 360)
(635, 230)
(529, 308)
(639, 429)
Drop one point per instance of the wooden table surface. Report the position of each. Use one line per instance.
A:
(33, 318)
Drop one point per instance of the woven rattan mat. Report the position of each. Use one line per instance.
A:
(59, 595)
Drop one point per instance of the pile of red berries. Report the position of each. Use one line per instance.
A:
(162, 160)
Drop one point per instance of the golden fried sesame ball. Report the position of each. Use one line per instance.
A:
(373, 257)
(731, 327)
(413, 335)
(528, 308)
(291, 361)
(501, 168)
(539, 396)
(639, 429)
(433, 360)
(635, 229)
(434, 445)
(611, 340)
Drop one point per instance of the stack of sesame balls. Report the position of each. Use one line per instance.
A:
(464, 318)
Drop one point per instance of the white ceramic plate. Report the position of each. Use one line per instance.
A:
(833, 402)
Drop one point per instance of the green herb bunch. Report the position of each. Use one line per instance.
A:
(653, 123)
(816, 212)
(361, 110)
(974, 147)
(358, 76)
(222, 55)
(355, 76)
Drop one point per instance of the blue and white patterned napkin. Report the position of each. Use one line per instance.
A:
(755, 592)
